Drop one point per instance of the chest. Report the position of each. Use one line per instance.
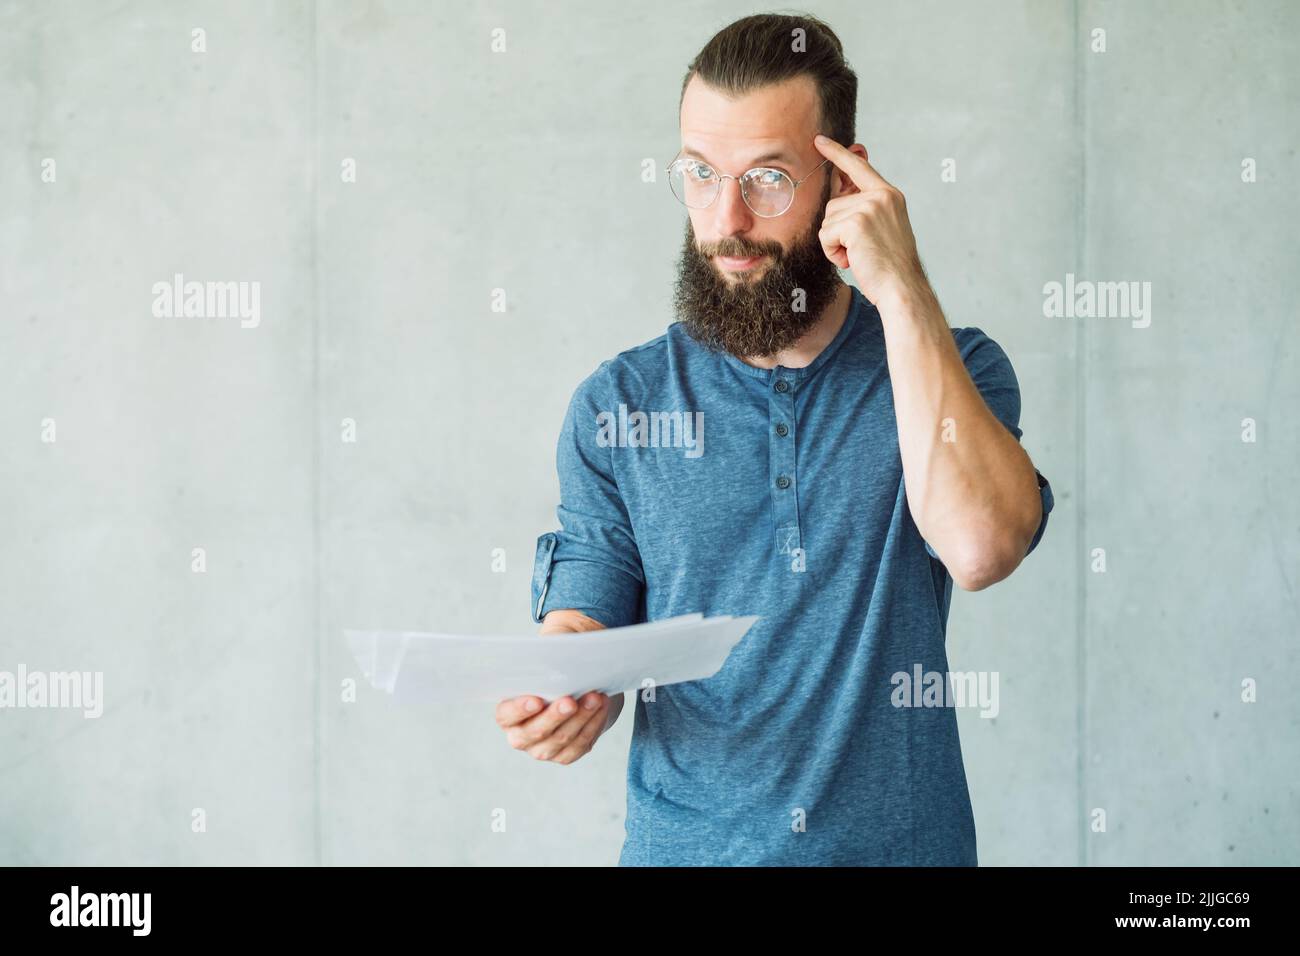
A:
(758, 475)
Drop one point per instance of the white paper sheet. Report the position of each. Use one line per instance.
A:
(419, 666)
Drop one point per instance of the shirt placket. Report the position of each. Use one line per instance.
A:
(783, 479)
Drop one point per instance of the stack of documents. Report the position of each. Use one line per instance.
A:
(418, 666)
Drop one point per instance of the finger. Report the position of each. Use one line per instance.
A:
(515, 710)
(589, 705)
(565, 733)
(561, 739)
(833, 245)
(844, 215)
(841, 206)
(528, 732)
(857, 168)
(585, 740)
(544, 724)
(522, 736)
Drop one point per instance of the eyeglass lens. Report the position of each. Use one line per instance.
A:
(768, 192)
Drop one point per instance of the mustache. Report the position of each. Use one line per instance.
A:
(737, 248)
(755, 317)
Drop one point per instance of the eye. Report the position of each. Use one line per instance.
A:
(699, 172)
(767, 177)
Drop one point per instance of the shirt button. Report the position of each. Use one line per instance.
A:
(782, 385)
(781, 430)
(783, 482)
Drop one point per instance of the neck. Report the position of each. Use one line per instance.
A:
(812, 342)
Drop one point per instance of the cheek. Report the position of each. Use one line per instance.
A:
(703, 226)
(790, 233)
(808, 212)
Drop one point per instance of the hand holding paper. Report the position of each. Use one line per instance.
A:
(561, 732)
(565, 730)
(451, 667)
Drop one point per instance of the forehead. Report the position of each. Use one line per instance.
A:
(780, 118)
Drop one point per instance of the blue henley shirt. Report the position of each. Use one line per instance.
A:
(691, 481)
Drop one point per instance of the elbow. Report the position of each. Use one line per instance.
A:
(992, 560)
(987, 563)
(978, 574)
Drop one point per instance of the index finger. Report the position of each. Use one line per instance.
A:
(514, 710)
(862, 173)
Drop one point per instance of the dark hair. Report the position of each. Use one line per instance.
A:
(758, 50)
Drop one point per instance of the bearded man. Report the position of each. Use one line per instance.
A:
(862, 458)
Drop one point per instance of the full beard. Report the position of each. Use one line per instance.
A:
(754, 317)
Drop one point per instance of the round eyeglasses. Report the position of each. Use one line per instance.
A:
(767, 191)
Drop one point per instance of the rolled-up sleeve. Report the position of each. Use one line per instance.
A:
(591, 564)
(995, 378)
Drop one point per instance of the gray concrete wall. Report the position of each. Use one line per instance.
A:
(1120, 690)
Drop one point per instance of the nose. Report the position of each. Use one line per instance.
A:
(731, 214)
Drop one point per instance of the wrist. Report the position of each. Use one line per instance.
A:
(913, 305)
(568, 621)
(905, 294)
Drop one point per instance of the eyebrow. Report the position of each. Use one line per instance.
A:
(779, 156)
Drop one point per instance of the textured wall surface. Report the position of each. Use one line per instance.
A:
(128, 439)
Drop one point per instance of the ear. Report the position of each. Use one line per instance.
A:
(844, 185)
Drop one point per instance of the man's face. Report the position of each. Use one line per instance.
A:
(739, 272)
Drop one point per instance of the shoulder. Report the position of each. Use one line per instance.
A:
(983, 356)
(991, 371)
(641, 369)
(972, 337)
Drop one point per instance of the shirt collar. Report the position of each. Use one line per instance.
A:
(796, 376)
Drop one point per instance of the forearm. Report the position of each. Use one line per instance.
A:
(970, 485)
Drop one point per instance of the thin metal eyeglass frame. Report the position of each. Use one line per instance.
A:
(739, 179)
